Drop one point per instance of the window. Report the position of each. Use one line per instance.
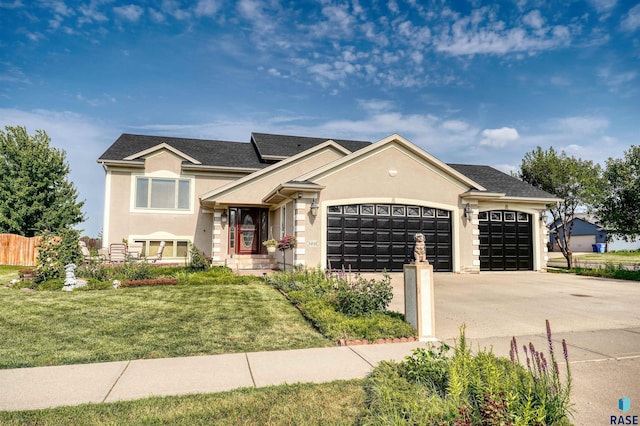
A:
(161, 193)
(175, 248)
(413, 211)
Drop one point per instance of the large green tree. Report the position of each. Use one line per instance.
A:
(575, 181)
(619, 209)
(35, 193)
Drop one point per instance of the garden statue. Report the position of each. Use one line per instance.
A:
(419, 252)
(70, 277)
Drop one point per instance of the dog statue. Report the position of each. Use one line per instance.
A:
(419, 252)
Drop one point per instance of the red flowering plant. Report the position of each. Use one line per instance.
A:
(286, 242)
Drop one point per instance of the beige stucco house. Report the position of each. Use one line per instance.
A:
(348, 203)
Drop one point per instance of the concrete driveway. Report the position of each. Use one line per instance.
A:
(599, 318)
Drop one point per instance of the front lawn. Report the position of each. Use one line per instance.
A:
(333, 403)
(8, 273)
(55, 327)
(614, 257)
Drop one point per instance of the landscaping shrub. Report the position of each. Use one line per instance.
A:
(55, 252)
(340, 309)
(126, 271)
(198, 261)
(53, 284)
(436, 388)
(362, 296)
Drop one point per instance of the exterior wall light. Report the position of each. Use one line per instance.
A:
(223, 218)
(314, 207)
(467, 211)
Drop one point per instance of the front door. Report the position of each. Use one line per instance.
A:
(248, 231)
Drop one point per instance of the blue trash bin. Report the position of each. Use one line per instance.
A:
(594, 247)
(601, 247)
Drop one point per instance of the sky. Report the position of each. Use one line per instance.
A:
(468, 81)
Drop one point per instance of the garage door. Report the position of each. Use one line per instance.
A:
(506, 241)
(374, 237)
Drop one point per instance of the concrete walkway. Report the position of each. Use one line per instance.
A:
(605, 366)
(599, 319)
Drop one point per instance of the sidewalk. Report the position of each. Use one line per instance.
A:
(598, 358)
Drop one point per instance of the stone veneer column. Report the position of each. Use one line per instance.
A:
(216, 245)
(300, 220)
(475, 231)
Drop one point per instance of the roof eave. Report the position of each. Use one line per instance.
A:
(120, 163)
(289, 190)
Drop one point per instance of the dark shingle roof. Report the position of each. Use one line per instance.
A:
(496, 181)
(208, 152)
(286, 146)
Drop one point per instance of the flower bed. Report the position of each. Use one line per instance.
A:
(344, 310)
(149, 282)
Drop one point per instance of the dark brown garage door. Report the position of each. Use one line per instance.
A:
(506, 242)
(375, 237)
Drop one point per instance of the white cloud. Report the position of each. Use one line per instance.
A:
(129, 12)
(631, 20)
(603, 6)
(534, 19)
(498, 138)
(15, 4)
(172, 7)
(482, 33)
(580, 125)
(207, 7)
(375, 105)
(156, 15)
(90, 13)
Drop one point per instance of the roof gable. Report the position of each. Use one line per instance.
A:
(273, 169)
(440, 167)
(161, 147)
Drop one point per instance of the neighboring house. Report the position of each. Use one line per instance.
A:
(585, 233)
(348, 203)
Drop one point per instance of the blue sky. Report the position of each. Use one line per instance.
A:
(470, 82)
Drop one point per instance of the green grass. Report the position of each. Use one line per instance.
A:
(626, 257)
(54, 328)
(609, 271)
(340, 402)
(8, 273)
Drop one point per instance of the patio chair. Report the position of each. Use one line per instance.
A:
(86, 254)
(134, 251)
(117, 252)
(158, 255)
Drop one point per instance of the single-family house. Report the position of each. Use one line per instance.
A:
(585, 233)
(347, 203)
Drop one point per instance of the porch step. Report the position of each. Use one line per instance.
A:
(251, 261)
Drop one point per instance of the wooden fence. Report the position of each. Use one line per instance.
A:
(18, 250)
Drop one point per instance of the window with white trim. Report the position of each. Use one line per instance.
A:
(163, 193)
(173, 248)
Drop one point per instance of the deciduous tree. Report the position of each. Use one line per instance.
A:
(619, 209)
(576, 181)
(35, 193)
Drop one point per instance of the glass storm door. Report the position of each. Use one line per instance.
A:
(248, 238)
